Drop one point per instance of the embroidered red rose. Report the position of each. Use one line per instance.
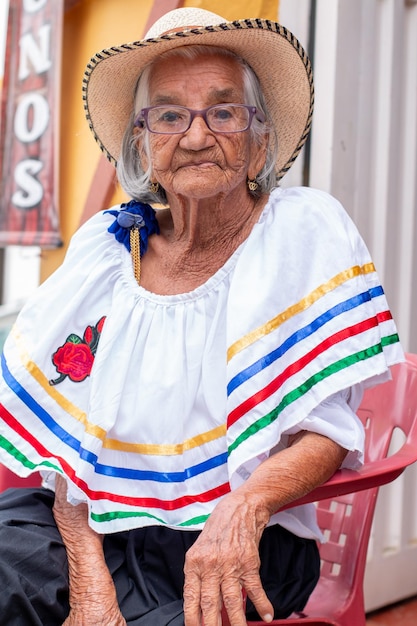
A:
(74, 360)
(75, 357)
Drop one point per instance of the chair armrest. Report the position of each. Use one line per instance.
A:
(372, 474)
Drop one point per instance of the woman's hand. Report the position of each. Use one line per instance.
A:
(223, 560)
(92, 594)
(225, 557)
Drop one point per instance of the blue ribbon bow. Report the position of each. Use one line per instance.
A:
(134, 214)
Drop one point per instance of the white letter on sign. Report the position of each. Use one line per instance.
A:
(38, 55)
(31, 192)
(31, 6)
(40, 117)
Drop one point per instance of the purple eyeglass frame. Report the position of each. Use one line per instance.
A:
(142, 118)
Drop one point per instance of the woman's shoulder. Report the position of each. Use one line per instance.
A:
(302, 222)
(96, 226)
(305, 199)
(92, 251)
(92, 237)
(308, 208)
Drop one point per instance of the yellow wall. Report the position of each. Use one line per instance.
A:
(90, 26)
(238, 9)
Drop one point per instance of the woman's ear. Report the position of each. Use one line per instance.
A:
(138, 133)
(257, 157)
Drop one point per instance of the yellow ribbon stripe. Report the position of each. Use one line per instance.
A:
(294, 309)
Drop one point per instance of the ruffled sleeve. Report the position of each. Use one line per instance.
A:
(307, 318)
(51, 352)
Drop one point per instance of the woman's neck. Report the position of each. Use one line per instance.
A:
(196, 240)
(199, 225)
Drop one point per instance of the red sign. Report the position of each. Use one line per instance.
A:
(30, 124)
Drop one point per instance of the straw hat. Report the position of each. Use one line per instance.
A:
(276, 56)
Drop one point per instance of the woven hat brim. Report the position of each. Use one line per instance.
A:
(276, 56)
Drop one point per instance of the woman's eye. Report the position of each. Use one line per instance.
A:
(170, 117)
(222, 114)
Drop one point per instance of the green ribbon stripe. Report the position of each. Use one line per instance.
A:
(13, 451)
(113, 515)
(297, 393)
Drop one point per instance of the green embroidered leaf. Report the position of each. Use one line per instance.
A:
(73, 338)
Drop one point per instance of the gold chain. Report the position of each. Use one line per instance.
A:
(135, 252)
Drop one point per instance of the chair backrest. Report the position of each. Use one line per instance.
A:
(346, 520)
(388, 407)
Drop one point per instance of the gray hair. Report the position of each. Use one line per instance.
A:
(135, 181)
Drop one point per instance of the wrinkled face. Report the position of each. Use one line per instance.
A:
(201, 163)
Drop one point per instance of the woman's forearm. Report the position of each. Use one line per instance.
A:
(86, 565)
(92, 593)
(310, 460)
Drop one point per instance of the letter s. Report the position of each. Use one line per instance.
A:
(31, 192)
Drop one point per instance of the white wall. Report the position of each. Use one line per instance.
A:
(364, 140)
(21, 275)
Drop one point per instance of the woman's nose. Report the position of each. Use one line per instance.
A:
(198, 136)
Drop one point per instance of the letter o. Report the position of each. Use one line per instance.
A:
(40, 117)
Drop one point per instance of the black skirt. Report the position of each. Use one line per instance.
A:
(146, 566)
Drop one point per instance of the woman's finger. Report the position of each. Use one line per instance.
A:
(211, 601)
(191, 596)
(255, 591)
(233, 603)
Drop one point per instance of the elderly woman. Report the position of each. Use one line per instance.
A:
(191, 370)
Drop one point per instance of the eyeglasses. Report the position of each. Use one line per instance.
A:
(220, 118)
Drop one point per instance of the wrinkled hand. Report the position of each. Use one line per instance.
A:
(94, 605)
(95, 615)
(223, 560)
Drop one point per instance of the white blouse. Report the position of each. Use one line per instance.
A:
(188, 393)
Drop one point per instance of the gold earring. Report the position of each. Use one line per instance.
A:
(153, 187)
(252, 185)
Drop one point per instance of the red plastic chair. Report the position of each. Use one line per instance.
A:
(346, 503)
(8, 479)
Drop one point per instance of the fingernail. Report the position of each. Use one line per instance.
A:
(268, 617)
